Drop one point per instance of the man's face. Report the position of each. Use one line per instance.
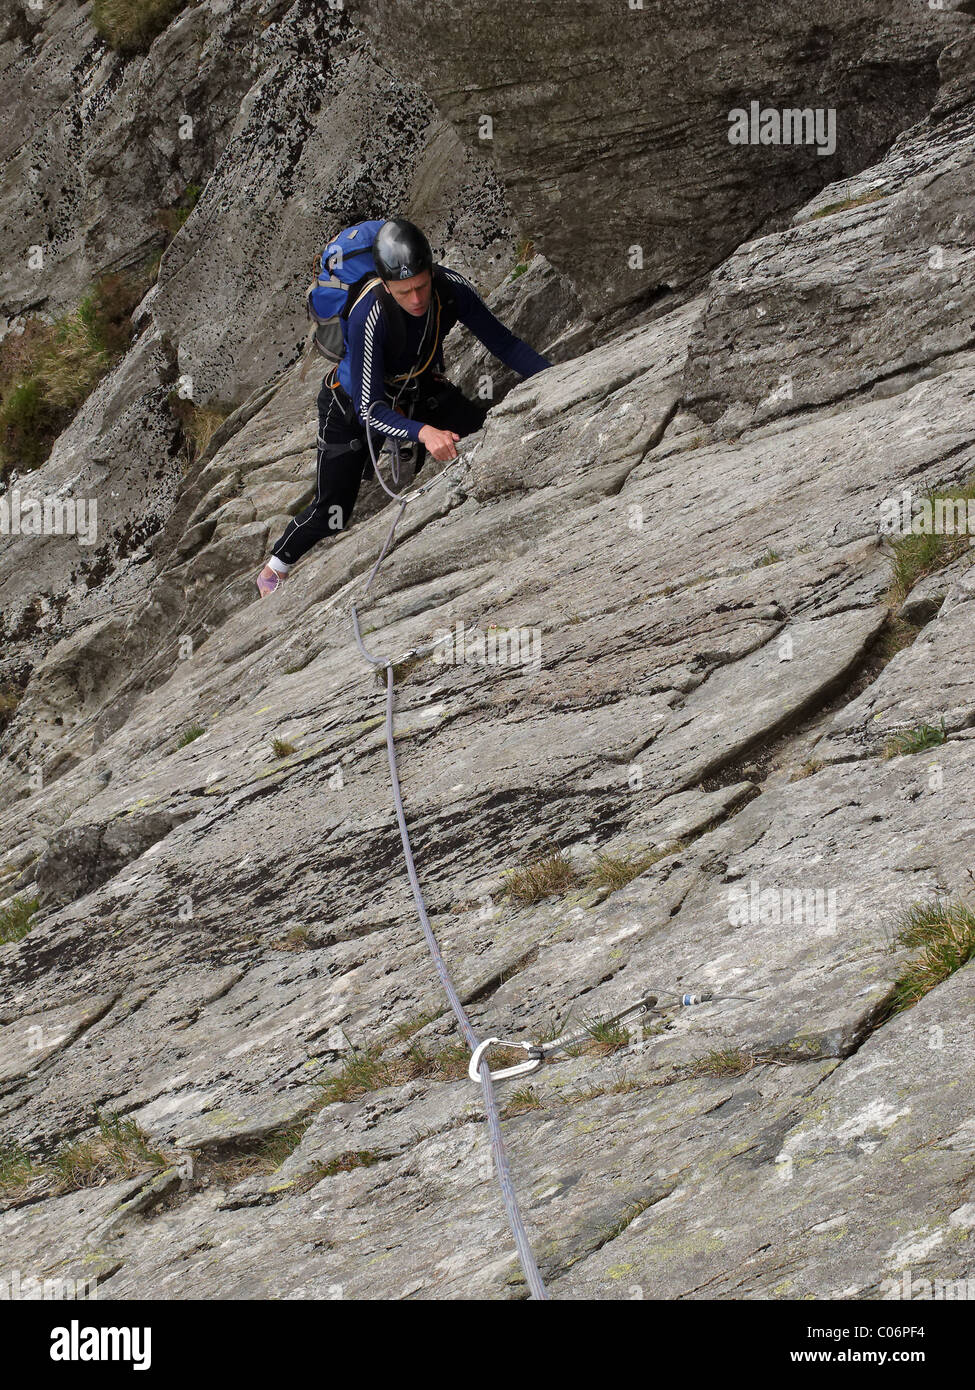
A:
(413, 295)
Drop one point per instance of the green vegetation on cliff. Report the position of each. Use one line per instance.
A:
(49, 370)
(131, 25)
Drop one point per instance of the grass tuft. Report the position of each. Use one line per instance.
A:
(616, 871)
(198, 424)
(9, 700)
(524, 1099)
(553, 873)
(402, 670)
(447, 1063)
(409, 1026)
(16, 919)
(523, 257)
(344, 1163)
(725, 1061)
(875, 195)
(608, 1037)
(190, 734)
(274, 1149)
(808, 769)
(362, 1071)
(282, 748)
(630, 1215)
(916, 740)
(897, 634)
(119, 1149)
(297, 939)
(261, 1160)
(173, 219)
(918, 555)
(369, 1069)
(131, 25)
(17, 1170)
(49, 369)
(946, 933)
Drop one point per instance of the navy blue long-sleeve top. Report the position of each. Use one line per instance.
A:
(369, 361)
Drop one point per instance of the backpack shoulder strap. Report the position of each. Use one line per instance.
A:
(392, 313)
(358, 292)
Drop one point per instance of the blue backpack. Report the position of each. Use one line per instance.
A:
(347, 271)
(344, 270)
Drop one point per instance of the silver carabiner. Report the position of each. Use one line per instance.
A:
(522, 1069)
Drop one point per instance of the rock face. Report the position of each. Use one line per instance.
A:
(289, 126)
(710, 663)
(610, 122)
(897, 236)
(96, 145)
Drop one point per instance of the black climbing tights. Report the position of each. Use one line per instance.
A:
(343, 454)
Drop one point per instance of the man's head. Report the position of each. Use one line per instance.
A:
(405, 262)
(413, 294)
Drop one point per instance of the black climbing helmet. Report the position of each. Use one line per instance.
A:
(401, 250)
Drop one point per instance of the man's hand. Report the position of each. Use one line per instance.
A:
(440, 444)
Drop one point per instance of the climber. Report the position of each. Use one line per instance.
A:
(394, 348)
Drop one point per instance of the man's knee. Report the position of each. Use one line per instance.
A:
(479, 414)
(469, 419)
(450, 409)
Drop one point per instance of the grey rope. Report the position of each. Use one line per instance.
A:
(395, 466)
(386, 544)
(539, 1051)
(515, 1220)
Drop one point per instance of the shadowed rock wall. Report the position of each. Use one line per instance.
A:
(610, 123)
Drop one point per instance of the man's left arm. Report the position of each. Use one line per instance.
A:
(500, 341)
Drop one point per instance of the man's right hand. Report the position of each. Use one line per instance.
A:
(440, 444)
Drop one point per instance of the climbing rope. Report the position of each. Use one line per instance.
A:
(515, 1220)
(479, 1069)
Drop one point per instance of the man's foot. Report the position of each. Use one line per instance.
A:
(268, 580)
